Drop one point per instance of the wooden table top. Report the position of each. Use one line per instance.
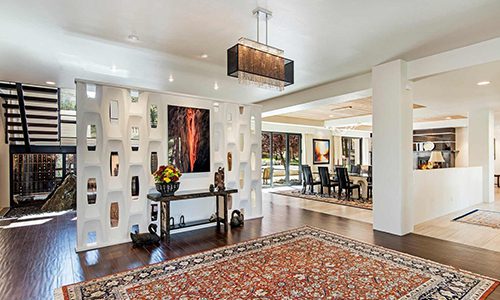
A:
(189, 194)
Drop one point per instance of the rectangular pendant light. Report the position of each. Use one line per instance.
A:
(256, 63)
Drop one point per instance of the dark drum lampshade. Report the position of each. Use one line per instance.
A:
(256, 63)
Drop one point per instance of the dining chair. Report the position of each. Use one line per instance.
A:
(346, 185)
(326, 182)
(308, 179)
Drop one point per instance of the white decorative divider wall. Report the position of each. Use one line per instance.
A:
(114, 125)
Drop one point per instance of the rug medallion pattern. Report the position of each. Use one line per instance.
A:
(304, 263)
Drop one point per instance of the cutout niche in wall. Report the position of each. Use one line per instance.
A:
(189, 138)
(134, 138)
(91, 137)
(91, 191)
(114, 214)
(229, 161)
(154, 162)
(134, 188)
(134, 96)
(114, 164)
(252, 124)
(91, 238)
(113, 111)
(91, 90)
(153, 116)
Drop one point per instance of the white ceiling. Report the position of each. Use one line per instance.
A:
(61, 40)
(457, 92)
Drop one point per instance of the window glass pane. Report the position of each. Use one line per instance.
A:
(266, 158)
(294, 155)
(279, 155)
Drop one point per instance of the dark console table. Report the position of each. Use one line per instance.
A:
(186, 195)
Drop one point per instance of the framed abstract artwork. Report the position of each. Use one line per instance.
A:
(189, 138)
(321, 151)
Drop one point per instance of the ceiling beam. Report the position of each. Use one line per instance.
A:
(476, 54)
(333, 92)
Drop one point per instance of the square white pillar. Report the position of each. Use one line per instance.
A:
(481, 145)
(392, 149)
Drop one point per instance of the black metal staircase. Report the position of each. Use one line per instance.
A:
(32, 115)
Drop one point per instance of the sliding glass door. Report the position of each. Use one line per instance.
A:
(281, 158)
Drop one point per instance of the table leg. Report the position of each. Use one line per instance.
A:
(225, 213)
(217, 210)
(164, 219)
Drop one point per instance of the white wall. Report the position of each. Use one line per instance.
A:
(442, 191)
(462, 139)
(4, 168)
(231, 130)
(497, 148)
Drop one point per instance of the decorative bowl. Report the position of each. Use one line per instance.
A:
(167, 189)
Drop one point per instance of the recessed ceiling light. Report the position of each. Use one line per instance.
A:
(331, 116)
(216, 86)
(113, 68)
(50, 82)
(204, 55)
(133, 38)
(483, 83)
(448, 118)
(171, 78)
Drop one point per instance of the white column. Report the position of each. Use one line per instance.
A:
(481, 136)
(392, 149)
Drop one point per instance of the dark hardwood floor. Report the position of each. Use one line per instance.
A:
(36, 259)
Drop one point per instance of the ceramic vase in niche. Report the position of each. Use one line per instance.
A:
(229, 161)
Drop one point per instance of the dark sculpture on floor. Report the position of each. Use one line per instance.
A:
(142, 239)
(237, 218)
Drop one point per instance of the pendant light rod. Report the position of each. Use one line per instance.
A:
(256, 12)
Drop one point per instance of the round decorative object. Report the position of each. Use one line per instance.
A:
(167, 189)
(429, 146)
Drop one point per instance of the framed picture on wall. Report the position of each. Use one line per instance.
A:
(321, 151)
(189, 138)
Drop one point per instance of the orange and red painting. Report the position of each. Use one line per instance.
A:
(321, 151)
(189, 138)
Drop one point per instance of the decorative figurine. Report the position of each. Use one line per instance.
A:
(229, 161)
(142, 239)
(219, 179)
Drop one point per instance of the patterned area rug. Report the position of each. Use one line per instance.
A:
(303, 263)
(365, 204)
(481, 217)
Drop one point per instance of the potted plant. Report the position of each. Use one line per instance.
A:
(167, 180)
